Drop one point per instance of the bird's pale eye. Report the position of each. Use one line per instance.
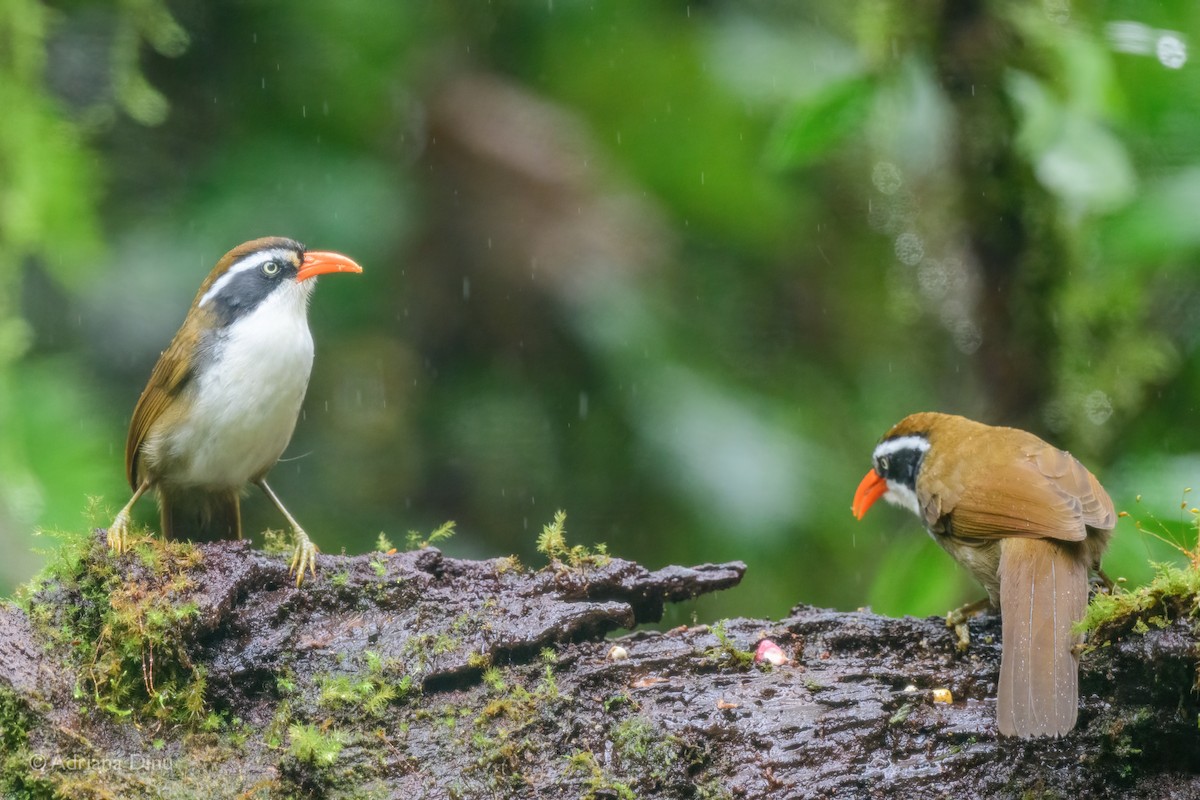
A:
(270, 268)
(883, 464)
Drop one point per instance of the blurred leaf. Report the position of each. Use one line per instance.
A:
(640, 78)
(813, 128)
(160, 30)
(56, 452)
(770, 64)
(47, 183)
(1160, 226)
(1074, 155)
(910, 120)
(1087, 166)
(1081, 64)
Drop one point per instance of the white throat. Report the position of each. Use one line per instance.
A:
(900, 495)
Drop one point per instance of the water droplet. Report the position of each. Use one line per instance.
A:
(934, 279)
(909, 249)
(967, 336)
(886, 177)
(1055, 416)
(1097, 407)
(1171, 51)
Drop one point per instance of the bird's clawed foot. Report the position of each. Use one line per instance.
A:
(959, 617)
(118, 532)
(304, 558)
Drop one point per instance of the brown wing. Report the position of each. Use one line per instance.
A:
(1044, 492)
(1095, 506)
(170, 375)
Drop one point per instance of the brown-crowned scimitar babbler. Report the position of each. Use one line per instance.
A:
(223, 399)
(1028, 521)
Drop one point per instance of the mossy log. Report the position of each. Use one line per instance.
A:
(179, 671)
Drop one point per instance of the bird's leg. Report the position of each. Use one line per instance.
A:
(1108, 583)
(305, 557)
(959, 617)
(118, 532)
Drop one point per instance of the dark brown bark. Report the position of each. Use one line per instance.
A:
(686, 714)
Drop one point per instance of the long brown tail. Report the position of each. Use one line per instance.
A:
(200, 516)
(1043, 593)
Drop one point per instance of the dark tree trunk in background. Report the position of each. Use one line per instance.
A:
(1007, 215)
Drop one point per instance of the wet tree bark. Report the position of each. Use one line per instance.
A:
(415, 675)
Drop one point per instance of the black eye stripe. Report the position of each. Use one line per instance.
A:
(901, 465)
(246, 289)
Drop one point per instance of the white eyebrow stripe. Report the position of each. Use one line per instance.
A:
(252, 261)
(901, 443)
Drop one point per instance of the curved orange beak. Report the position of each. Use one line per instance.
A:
(872, 487)
(318, 262)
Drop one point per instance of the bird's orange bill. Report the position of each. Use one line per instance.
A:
(872, 488)
(319, 262)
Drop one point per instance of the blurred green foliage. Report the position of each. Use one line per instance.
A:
(672, 267)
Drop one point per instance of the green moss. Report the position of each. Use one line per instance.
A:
(309, 744)
(552, 543)
(122, 629)
(726, 653)
(285, 684)
(370, 692)
(613, 702)
(712, 790)
(139, 635)
(901, 714)
(415, 541)
(509, 564)
(650, 758)
(504, 727)
(278, 544)
(276, 730)
(420, 649)
(1174, 591)
(636, 740)
(596, 782)
(501, 755)
(15, 721)
(18, 779)
(64, 562)
(494, 680)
